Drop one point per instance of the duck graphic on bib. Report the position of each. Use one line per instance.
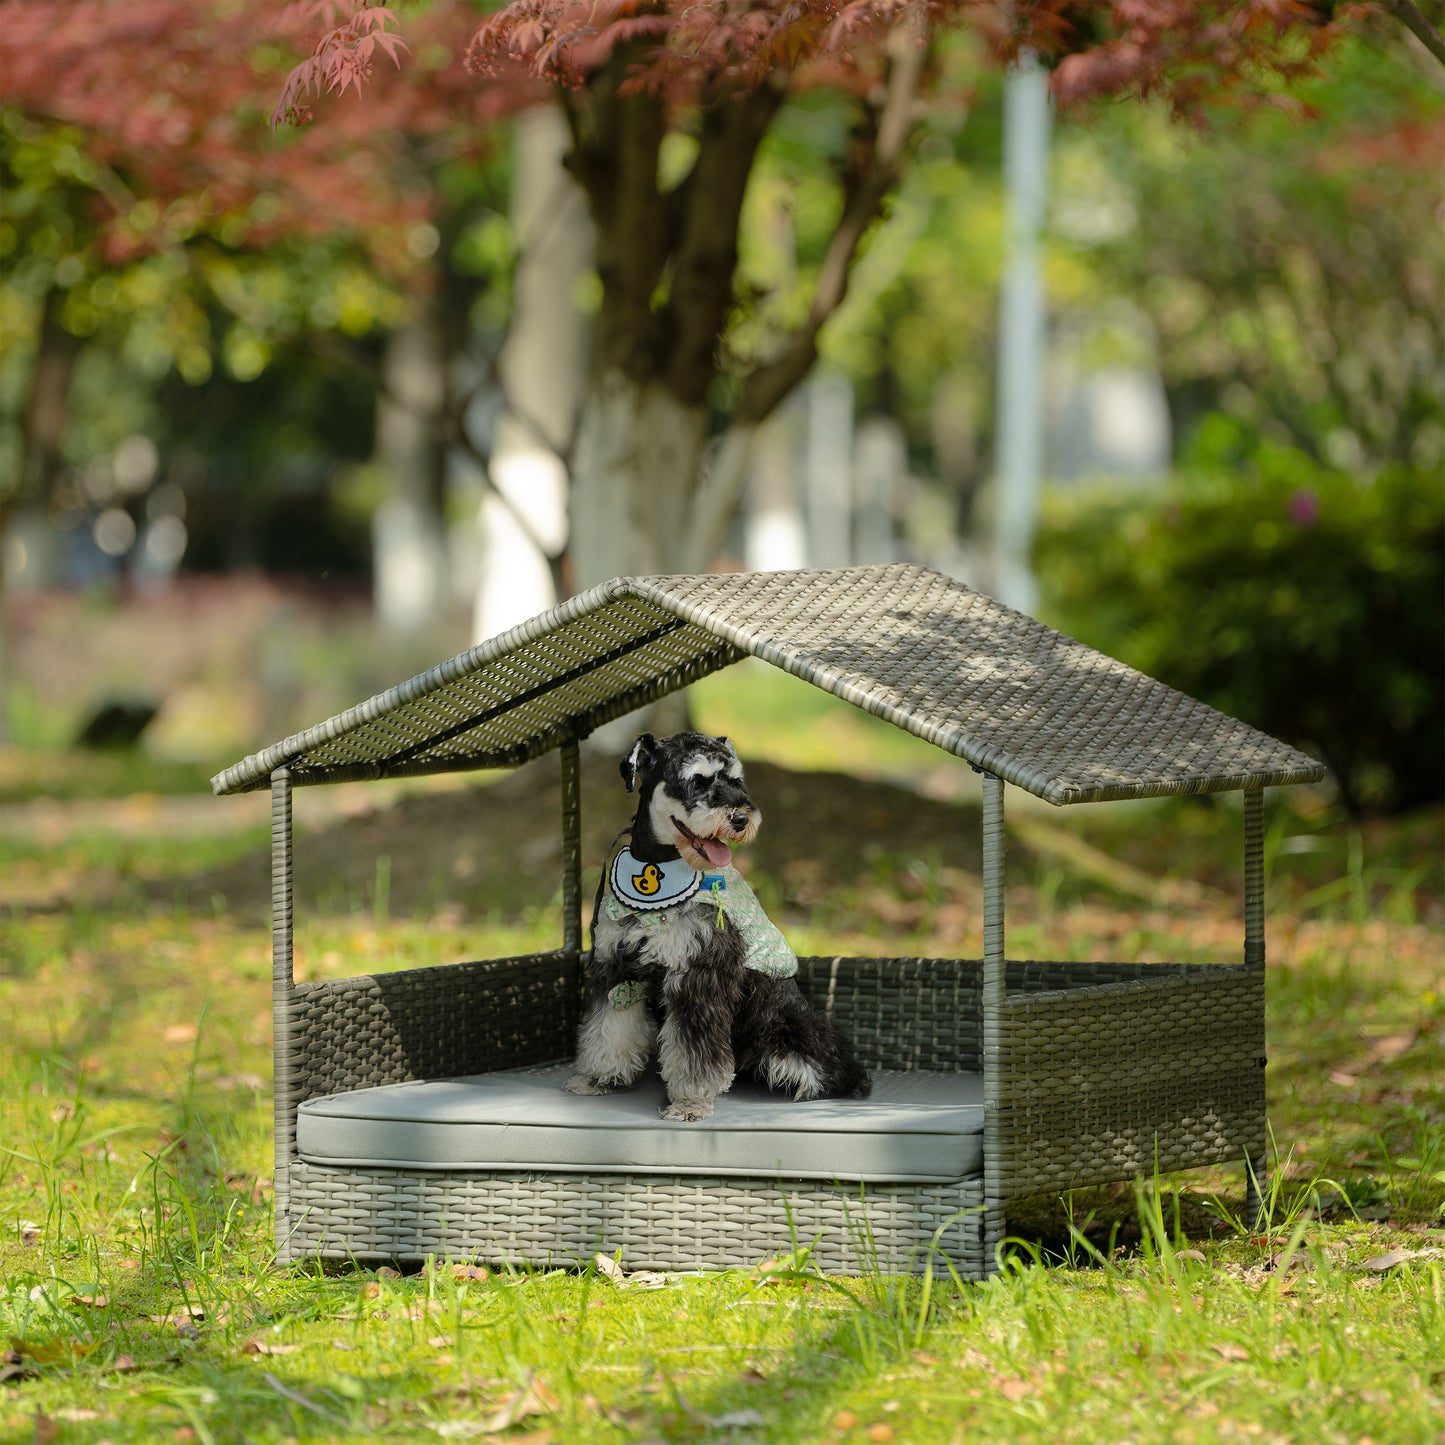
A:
(646, 886)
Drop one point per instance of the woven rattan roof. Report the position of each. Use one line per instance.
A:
(921, 650)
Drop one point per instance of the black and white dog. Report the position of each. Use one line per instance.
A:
(685, 960)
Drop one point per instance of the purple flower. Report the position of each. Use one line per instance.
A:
(1304, 507)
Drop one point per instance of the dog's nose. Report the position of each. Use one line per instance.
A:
(739, 822)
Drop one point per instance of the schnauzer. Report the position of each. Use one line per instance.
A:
(685, 960)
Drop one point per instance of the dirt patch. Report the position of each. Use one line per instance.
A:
(493, 850)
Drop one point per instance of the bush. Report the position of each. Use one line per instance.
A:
(1290, 595)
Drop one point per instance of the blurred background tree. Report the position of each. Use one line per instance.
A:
(245, 301)
(223, 346)
(1290, 282)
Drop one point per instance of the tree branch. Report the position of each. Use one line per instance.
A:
(447, 427)
(1411, 17)
(710, 203)
(617, 138)
(771, 382)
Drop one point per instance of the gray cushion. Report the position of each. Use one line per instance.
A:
(915, 1127)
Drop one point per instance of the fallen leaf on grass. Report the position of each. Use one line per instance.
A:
(471, 1429)
(440, 1268)
(1231, 1352)
(255, 1346)
(385, 1271)
(609, 1269)
(1196, 1255)
(1391, 1046)
(1382, 1051)
(737, 1420)
(879, 1434)
(1382, 1262)
(781, 1271)
(1012, 1390)
(91, 1301)
(180, 1033)
(77, 1413)
(60, 1350)
(13, 1367)
(532, 1397)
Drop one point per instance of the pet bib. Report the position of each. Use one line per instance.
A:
(651, 886)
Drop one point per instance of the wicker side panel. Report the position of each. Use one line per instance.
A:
(428, 1023)
(927, 1013)
(1109, 1082)
(900, 1013)
(659, 1222)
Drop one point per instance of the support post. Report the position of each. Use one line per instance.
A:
(993, 1000)
(1254, 877)
(283, 987)
(1256, 1186)
(571, 847)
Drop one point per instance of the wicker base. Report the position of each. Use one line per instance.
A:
(1103, 1072)
(658, 1222)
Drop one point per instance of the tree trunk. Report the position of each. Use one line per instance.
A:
(638, 453)
(524, 530)
(639, 449)
(409, 552)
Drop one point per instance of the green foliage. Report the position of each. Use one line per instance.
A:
(1280, 590)
(1291, 272)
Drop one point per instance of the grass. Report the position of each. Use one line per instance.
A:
(138, 1301)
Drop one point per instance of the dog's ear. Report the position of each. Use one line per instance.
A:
(644, 751)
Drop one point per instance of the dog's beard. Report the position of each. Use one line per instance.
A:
(703, 837)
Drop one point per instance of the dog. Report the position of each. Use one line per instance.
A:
(685, 962)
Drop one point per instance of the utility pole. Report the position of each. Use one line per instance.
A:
(1021, 333)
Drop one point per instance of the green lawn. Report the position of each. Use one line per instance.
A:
(140, 1304)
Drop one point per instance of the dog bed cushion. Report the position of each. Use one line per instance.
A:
(914, 1127)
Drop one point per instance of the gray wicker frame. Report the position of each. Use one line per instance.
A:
(1092, 1072)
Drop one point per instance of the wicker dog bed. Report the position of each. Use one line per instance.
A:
(1087, 1073)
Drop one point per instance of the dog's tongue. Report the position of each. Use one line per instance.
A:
(716, 851)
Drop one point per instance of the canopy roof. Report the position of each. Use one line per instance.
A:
(928, 654)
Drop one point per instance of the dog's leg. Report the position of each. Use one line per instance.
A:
(697, 1066)
(694, 1044)
(613, 1046)
(791, 1047)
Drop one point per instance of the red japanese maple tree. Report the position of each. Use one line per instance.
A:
(164, 106)
(652, 484)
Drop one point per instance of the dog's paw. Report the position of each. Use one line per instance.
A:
(687, 1111)
(586, 1085)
